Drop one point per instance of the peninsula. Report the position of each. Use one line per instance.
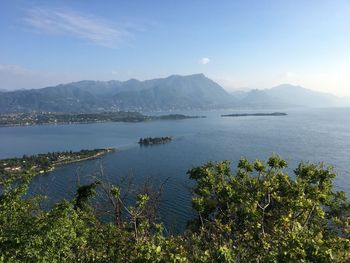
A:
(42, 163)
(254, 114)
(40, 118)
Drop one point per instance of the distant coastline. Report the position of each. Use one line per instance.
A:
(49, 118)
(254, 114)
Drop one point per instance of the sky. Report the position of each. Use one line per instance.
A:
(240, 44)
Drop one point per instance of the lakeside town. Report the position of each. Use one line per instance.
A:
(41, 118)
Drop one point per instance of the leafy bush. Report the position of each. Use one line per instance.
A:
(258, 214)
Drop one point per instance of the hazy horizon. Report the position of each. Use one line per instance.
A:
(242, 89)
(237, 44)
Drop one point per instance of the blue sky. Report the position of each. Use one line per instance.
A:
(240, 44)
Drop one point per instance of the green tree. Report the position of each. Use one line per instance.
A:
(257, 214)
(262, 214)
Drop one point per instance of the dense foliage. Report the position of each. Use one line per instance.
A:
(155, 140)
(258, 214)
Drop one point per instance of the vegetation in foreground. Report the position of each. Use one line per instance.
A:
(257, 214)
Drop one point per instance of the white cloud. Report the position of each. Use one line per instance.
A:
(204, 61)
(287, 75)
(63, 22)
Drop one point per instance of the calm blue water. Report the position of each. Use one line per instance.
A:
(315, 135)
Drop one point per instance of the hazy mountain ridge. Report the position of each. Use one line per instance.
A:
(287, 96)
(172, 93)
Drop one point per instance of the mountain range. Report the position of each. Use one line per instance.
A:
(164, 94)
(288, 96)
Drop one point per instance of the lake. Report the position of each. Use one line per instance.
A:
(310, 134)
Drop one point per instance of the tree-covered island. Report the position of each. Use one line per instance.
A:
(41, 163)
(154, 140)
(39, 118)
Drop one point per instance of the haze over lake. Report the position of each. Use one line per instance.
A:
(309, 134)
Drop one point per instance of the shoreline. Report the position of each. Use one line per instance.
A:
(45, 163)
(100, 154)
(151, 118)
(66, 123)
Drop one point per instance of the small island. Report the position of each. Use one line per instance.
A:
(255, 114)
(177, 117)
(41, 118)
(42, 163)
(155, 140)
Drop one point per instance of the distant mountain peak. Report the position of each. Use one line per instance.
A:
(174, 92)
(132, 80)
(201, 75)
(196, 75)
(288, 86)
